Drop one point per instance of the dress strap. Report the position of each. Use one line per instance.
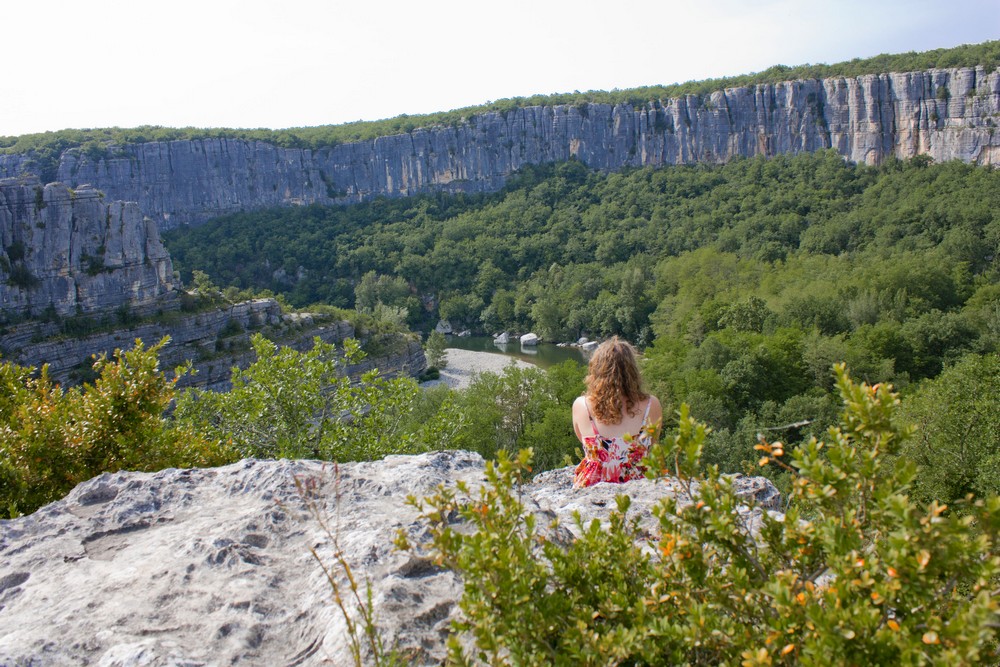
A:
(645, 416)
(593, 424)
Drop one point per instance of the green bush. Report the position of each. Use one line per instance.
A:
(302, 405)
(957, 442)
(522, 406)
(435, 349)
(854, 572)
(51, 440)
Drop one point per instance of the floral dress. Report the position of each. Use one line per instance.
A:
(617, 459)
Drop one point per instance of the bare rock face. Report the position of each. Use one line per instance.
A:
(213, 340)
(73, 252)
(213, 566)
(948, 114)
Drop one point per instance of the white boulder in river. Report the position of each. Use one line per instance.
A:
(529, 339)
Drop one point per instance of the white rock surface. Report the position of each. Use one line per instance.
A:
(464, 365)
(213, 566)
(529, 339)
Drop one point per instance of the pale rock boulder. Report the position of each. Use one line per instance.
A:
(213, 566)
(529, 339)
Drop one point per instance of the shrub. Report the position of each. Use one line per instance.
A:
(302, 405)
(51, 440)
(957, 443)
(855, 572)
(20, 276)
(435, 349)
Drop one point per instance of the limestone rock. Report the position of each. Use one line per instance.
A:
(443, 327)
(75, 253)
(213, 566)
(529, 339)
(866, 119)
(214, 340)
(502, 339)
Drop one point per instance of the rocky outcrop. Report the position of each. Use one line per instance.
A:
(214, 341)
(70, 254)
(67, 251)
(946, 114)
(213, 567)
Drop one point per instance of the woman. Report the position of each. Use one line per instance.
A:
(615, 419)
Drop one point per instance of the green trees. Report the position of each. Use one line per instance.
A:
(291, 404)
(855, 572)
(957, 440)
(745, 282)
(51, 439)
(522, 407)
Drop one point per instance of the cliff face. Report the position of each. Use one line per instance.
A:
(213, 340)
(75, 252)
(71, 252)
(946, 114)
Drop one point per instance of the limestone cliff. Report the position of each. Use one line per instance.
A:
(214, 340)
(67, 253)
(73, 251)
(946, 114)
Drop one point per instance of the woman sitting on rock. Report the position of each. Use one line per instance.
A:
(615, 419)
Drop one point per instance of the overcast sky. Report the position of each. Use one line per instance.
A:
(291, 63)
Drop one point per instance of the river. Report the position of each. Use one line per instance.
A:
(542, 355)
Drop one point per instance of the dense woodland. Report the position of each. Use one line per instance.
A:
(744, 283)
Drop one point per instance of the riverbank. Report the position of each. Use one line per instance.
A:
(464, 365)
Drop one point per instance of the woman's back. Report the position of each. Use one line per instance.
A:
(615, 420)
(614, 452)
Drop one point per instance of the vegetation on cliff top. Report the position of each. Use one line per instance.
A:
(46, 147)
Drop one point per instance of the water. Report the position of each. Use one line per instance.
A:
(542, 355)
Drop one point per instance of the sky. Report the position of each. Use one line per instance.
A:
(294, 63)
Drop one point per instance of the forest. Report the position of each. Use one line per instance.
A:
(744, 283)
(832, 326)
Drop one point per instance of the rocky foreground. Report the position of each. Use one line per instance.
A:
(213, 566)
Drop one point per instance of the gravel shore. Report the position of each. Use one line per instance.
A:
(463, 365)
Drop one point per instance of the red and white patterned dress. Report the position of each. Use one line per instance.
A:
(617, 459)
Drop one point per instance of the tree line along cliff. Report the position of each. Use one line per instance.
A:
(943, 113)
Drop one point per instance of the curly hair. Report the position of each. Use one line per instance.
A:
(613, 378)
